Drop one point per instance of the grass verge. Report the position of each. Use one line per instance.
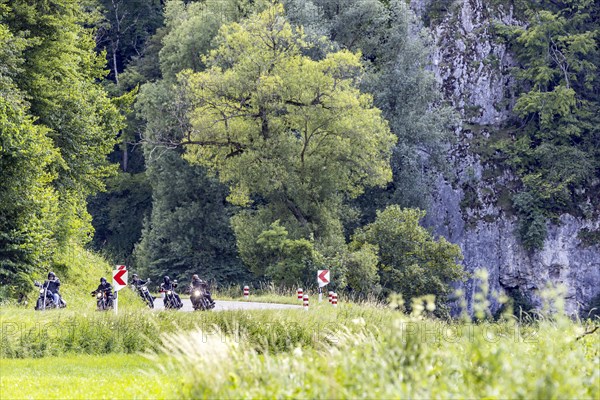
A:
(26, 333)
(87, 377)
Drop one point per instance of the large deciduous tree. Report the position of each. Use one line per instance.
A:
(57, 127)
(188, 229)
(292, 136)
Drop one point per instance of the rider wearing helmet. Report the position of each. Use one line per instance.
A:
(170, 285)
(104, 286)
(52, 285)
(137, 282)
(198, 283)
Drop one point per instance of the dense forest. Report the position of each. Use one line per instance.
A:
(255, 141)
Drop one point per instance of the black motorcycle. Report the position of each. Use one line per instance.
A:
(200, 300)
(170, 301)
(46, 299)
(145, 294)
(104, 301)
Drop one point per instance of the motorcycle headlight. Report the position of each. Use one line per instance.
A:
(99, 295)
(41, 290)
(168, 292)
(197, 293)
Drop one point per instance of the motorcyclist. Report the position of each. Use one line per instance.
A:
(137, 282)
(106, 287)
(198, 283)
(53, 285)
(167, 284)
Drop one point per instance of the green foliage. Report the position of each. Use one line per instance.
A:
(285, 261)
(54, 146)
(118, 216)
(28, 209)
(192, 28)
(411, 261)
(396, 52)
(435, 11)
(555, 152)
(124, 27)
(60, 79)
(361, 269)
(589, 237)
(279, 126)
(188, 229)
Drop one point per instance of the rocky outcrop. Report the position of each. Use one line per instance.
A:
(493, 245)
(474, 71)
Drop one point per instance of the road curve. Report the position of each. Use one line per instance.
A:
(222, 305)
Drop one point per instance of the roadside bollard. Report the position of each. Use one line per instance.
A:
(334, 299)
(305, 302)
(300, 294)
(330, 295)
(246, 292)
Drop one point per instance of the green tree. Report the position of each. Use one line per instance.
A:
(118, 215)
(360, 272)
(555, 152)
(294, 134)
(28, 208)
(60, 78)
(188, 228)
(125, 27)
(411, 261)
(285, 261)
(396, 53)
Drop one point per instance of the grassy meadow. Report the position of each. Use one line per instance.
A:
(354, 351)
(357, 350)
(116, 376)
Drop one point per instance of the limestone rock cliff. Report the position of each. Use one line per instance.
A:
(474, 71)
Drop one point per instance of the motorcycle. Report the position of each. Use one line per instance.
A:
(145, 294)
(200, 300)
(103, 300)
(46, 299)
(169, 299)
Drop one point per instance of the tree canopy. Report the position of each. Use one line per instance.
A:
(58, 125)
(275, 124)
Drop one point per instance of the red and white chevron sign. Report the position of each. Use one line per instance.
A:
(119, 278)
(323, 277)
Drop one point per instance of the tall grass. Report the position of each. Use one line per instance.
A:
(26, 333)
(409, 358)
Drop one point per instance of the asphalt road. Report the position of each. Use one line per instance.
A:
(222, 305)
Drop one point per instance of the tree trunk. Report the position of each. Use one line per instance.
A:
(125, 157)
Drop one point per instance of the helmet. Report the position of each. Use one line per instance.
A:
(134, 276)
(51, 275)
(103, 280)
(167, 279)
(195, 277)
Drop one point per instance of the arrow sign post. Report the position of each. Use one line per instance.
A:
(323, 278)
(119, 282)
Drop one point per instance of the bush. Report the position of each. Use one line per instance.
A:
(411, 261)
